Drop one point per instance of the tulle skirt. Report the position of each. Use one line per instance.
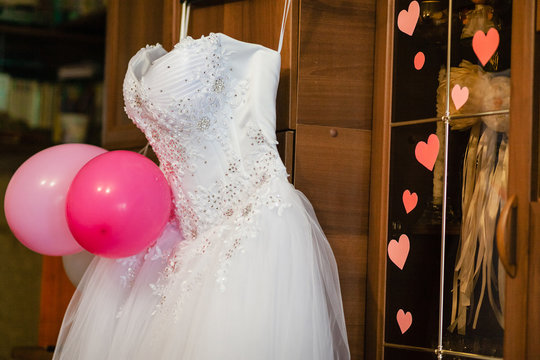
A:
(277, 296)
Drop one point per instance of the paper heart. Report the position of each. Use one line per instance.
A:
(399, 250)
(419, 60)
(404, 320)
(426, 153)
(407, 20)
(460, 95)
(485, 45)
(409, 201)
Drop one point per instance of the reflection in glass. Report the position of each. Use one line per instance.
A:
(415, 90)
(414, 287)
(474, 295)
(471, 91)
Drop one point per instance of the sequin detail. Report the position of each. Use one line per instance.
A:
(193, 136)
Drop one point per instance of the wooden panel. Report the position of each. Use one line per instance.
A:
(131, 25)
(537, 15)
(333, 172)
(380, 165)
(533, 324)
(335, 76)
(56, 292)
(286, 150)
(257, 22)
(519, 173)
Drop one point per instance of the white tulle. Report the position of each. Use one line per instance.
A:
(280, 305)
(243, 271)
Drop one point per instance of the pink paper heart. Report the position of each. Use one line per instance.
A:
(399, 250)
(419, 60)
(407, 20)
(460, 95)
(426, 153)
(485, 45)
(404, 320)
(409, 201)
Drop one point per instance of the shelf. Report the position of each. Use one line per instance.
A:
(89, 29)
(38, 51)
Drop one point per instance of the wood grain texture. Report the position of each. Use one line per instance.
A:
(380, 165)
(335, 76)
(333, 172)
(533, 324)
(131, 25)
(537, 15)
(257, 22)
(519, 173)
(56, 292)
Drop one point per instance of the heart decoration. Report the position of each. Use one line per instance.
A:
(419, 60)
(426, 153)
(485, 45)
(399, 250)
(407, 20)
(404, 320)
(460, 95)
(409, 200)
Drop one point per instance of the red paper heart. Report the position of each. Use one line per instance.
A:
(407, 20)
(460, 95)
(426, 153)
(485, 45)
(404, 320)
(419, 60)
(409, 201)
(399, 250)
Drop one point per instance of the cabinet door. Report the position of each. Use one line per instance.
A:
(332, 169)
(131, 25)
(453, 144)
(333, 137)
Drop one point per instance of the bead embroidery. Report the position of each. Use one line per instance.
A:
(188, 136)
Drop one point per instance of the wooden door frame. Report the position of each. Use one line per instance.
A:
(520, 145)
(380, 176)
(520, 172)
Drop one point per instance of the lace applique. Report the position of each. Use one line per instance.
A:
(132, 265)
(193, 136)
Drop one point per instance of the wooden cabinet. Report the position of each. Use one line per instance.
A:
(324, 106)
(332, 169)
(521, 292)
(333, 138)
(131, 25)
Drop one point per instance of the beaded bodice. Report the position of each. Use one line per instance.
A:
(207, 108)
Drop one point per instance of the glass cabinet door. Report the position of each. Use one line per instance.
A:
(448, 179)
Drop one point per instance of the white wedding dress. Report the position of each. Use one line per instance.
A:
(243, 270)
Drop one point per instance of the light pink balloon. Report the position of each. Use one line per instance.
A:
(118, 204)
(35, 201)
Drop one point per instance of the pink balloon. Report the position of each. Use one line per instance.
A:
(35, 201)
(118, 204)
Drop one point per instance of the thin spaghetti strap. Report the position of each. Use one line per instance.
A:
(184, 20)
(284, 23)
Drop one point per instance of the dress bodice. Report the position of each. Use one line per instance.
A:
(207, 108)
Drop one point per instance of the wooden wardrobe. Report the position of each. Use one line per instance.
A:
(335, 108)
(324, 112)
(519, 247)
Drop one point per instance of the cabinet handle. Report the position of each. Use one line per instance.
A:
(505, 230)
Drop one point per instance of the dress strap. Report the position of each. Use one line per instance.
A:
(184, 20)
(284, 23)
